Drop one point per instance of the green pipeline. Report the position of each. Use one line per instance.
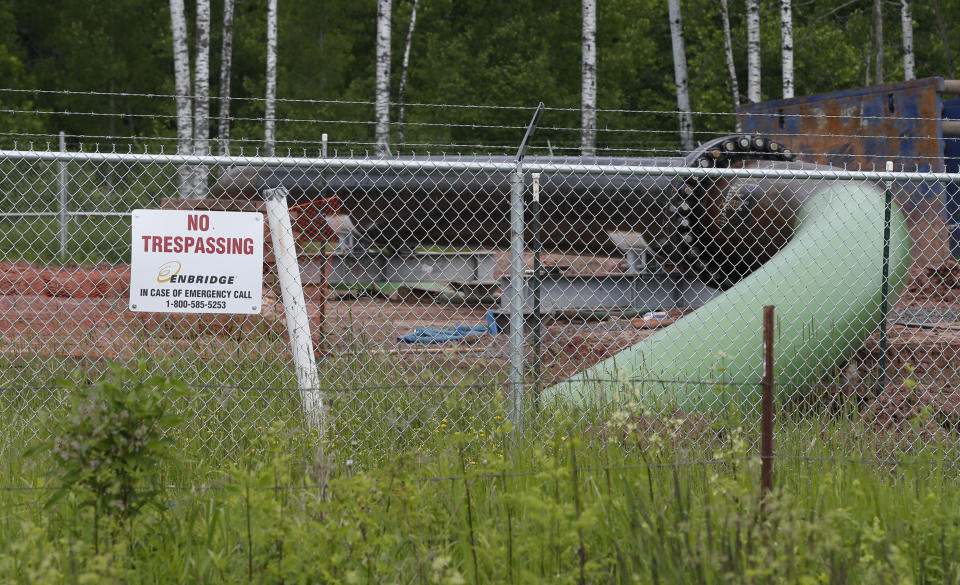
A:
(826, 287)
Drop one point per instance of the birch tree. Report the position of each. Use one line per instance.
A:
(270, 104)
(878, 35)
(402, 93)
(753, 51)
(786, 46)
(201, 104)
(906, 22)
(728, 50)
(181, 77)
(680, 75)
(588, 80)
(226, 56)
(382, 98)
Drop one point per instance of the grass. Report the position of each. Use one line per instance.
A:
(91, 240)
(421, 482)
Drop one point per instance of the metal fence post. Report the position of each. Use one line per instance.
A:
(517, 228)
(516, 300)
(535, 283)
(64, 216)
(885, 284)
(294, 305)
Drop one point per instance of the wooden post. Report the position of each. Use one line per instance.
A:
(766, 422)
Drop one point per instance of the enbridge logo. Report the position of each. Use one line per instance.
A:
(168, 270)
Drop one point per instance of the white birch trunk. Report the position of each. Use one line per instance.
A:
(181, 77)
(753, 51)
(680, 75)
(786, 46)
(402, 93)
(906, 22)
(728, 50)
(201, 104)
(588, 74)
(382, 99)
(226, 56)
(878, 34)
(270, 105)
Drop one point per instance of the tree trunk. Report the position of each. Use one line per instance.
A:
(201, 104)
(588, 81)
(878, 35)
(181, 77)
(226, 55)
(753, 51)
(786, 42)
(728, 50)
(680, 75)
(942, 25)
(270, 105)
(382, 99)
(906, 22)
(402, 93)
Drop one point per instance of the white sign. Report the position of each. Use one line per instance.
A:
(193, 261)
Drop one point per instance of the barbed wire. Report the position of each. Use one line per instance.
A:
(472, 126)
(460, 106)
(641, 150)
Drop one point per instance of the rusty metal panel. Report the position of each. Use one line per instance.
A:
(865, 128)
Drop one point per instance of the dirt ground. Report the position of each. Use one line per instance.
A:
(82, 312)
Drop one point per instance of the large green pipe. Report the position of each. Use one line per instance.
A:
(825, 284)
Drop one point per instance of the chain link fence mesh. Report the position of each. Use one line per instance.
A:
(406, 267)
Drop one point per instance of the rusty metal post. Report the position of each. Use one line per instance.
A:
(766, 421)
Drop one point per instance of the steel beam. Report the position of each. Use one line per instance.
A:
(635, 292)
(369, 268)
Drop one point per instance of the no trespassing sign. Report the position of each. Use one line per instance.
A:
(186, 261)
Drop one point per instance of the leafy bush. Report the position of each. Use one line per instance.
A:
(113, 441)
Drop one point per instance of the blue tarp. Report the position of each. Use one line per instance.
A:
(426, 335)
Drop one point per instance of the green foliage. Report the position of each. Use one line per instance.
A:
(113, 443)
(409, 485)
(484, 52)
(570, 510)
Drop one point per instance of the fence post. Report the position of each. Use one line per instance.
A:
(294, 305)
(885, 284)
(515, 376)
(766, 421)
(535, 283)
(517, 228)
(64, 217)
(323, 145)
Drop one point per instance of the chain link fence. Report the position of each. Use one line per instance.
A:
(481, 297)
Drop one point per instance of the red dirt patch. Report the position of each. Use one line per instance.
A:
(21, 278)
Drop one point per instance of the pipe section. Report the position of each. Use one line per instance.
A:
(825, 284)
